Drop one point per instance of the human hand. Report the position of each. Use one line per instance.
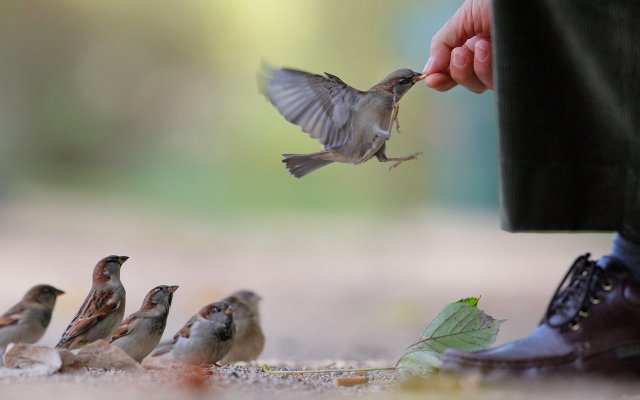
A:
(461, 50)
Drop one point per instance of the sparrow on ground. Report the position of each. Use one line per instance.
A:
(141, 331)
(102, 310)
(249, 341)
(207, 337)
(27, 321)
(352, 125)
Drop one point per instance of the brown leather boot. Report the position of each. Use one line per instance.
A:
(592, 325)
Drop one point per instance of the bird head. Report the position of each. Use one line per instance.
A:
(220, 311)
(159, 296)
(108, 269)
(43, 294)
(399, 82)
(246, 302)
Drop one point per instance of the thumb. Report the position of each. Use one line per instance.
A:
(473, 18)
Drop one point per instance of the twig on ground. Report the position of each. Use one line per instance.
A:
(266, 369)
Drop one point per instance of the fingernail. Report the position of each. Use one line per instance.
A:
(458, 60)
(481, 52)
(428, 65)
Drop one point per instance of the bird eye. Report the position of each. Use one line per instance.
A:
(405, 81)
(216, 309)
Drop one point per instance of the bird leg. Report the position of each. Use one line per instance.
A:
(400, 160)
(207, 366)
(382, 157)
(381, 133)
(378, 142)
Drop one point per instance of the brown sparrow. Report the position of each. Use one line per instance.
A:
(27, 321)
(102, 310)
(141, 331)
(352, 125)
(249, 341)
(207, 337)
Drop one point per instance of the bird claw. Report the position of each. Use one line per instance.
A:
(206, 365)
(400, 160)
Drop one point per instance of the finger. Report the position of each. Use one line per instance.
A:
(461, 70)
(482, 63)
(471, 43)
(440, 81)
(471, 19)
(439, 59)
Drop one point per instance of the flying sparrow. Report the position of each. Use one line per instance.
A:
(249, 341)
(27, 321)
(207, 337)
(102, 310)
(141, 331)
(352, 125)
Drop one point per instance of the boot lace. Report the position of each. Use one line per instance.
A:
(575, 294)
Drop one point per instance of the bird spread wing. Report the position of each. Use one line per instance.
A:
(12, 316)
(95, 307)
(321, 105)
(125, 327)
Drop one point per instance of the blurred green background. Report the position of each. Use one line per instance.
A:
(157, 102)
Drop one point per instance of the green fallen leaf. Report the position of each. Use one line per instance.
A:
(471, 301)
(418, 363)
(460, 325)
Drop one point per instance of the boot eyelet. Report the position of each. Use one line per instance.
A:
(583, 313)
(595, 300)
(574, 326)
(607, 285)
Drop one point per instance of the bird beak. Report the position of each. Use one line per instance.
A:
(122, 259)
(230, 310)
(58, 292)
(417, 77)
(172, 289)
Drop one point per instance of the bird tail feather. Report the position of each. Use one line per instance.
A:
(162, 348)
(301, 164)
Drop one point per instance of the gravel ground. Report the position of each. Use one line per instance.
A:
(250, 382)
(170, 380)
